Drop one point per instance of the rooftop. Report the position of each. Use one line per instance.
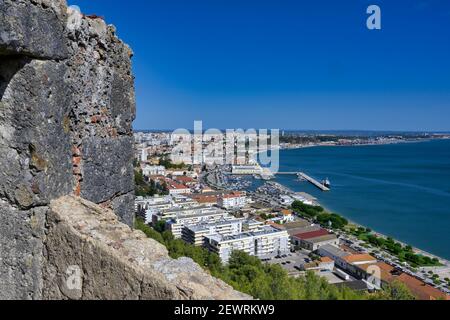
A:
(232, 195)
(264, 231)
(335, 251)
(205, 226)
(326, 237)
(311, 234)
(355, 258)
(326, 259)
(297, 224)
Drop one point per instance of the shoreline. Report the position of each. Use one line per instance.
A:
(360, 144)
(442, 260)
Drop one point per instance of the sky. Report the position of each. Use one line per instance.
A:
(307, 65)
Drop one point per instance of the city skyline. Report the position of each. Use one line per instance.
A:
(287, 65)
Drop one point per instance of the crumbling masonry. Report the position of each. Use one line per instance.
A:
(66, 177)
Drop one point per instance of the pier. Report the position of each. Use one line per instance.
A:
(307, 178)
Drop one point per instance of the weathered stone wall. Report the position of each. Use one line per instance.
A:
(66, 111)
(91, 255)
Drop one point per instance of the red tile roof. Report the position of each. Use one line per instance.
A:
(420, 289)
(417, 287)
(184, 179)
(232, 195)
(363, 257)
(311, 234)
(200, 198)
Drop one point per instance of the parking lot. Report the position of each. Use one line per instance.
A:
(291, 262)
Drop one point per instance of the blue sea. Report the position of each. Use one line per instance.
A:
(400, 190)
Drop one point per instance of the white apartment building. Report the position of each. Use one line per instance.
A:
(264, 243)
(177, 189)
(154, 171)
(235, 200)
(153, 205)
(177, 211)
(252, 225)
(195, 234)
(177, 220)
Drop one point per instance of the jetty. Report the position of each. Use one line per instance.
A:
(304, 176)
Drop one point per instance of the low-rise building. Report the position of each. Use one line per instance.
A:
(287, 215)
(353, 261)
(205, 198)
(195, 234)
(346, 261)
(324, 264)
(176, 224)
(334, 253)
(313, 240)
(186, 180)
(177, 188)
(153, 170)
(235, 200)
(264, 243)
(387, 274)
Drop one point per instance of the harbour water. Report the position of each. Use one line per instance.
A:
(400, 190)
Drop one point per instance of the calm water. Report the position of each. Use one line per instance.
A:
(400, 190)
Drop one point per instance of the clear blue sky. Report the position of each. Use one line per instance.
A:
(286, 64)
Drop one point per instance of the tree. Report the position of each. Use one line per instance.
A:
(149, 232)
(248, 274)
(395, 291)
(160, 226)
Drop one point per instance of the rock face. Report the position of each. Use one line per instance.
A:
(66, 110)
(92, 255)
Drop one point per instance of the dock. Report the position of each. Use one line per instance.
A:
(304, 176)
(313, 181)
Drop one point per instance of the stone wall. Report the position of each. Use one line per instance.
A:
(66, 110)
(92, 255)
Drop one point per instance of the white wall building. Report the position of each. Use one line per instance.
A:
(154, 171)
(264, 243)
(176, 220)
(235, 200)
(195, 234)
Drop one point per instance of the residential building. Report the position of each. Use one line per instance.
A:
(195, 234)
(266, 242)
(176, 223)
(191, 210)
(186, 180)
(287, 215)
(157, 204)
(233, 200)
(153, 170)
(252, 225)
(205, 198)
(177, 188)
